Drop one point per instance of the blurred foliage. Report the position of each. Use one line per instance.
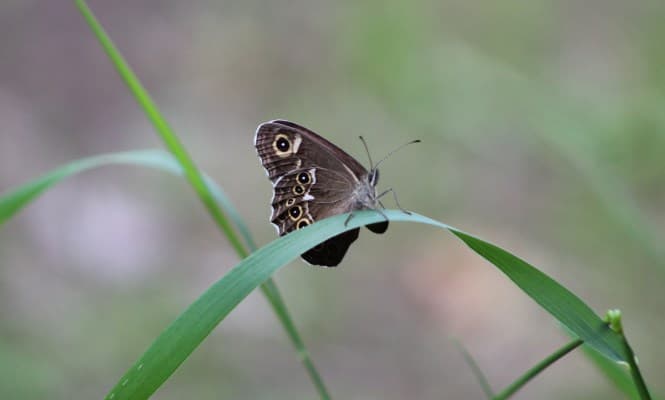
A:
(543, 130)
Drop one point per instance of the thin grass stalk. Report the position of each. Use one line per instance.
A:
(195, 178)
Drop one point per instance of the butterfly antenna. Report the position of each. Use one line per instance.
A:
(362, 139)
(395, 151)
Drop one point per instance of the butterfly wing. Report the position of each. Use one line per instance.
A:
(296, 204)
(284, 146)
(312, 179)
(307, 195)
(331, 252)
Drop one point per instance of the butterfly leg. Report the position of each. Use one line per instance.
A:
(385, 192)
(379, 227)
(346, 221)
(381, 212)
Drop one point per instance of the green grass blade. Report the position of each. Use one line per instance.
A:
(635, 373)
(184, 335)
(475, 368)
(180, 339)
(567, 308)
(556, 299)
(616, 373)
(537, 369)
(15, 199)
(571, 311)
(162, 127)
(198, 182)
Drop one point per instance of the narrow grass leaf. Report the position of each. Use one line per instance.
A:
(537, 369)
(556, 299)
(199, 183)
(162, 128)
(15, 199)
(566, 307)
(475, 368)
(186, 333)
(616, 373)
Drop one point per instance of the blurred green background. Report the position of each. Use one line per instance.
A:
(544, 131)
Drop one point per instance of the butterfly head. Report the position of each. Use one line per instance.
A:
(373, 175)
(364, 195)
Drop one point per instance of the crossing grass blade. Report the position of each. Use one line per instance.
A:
(199, 184)
(617, 374)
(16, 199)
(554, 298)
(182, 337)
(193, 325)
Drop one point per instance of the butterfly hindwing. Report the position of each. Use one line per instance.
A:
(291, 200)
(331, 252)
(313, 179)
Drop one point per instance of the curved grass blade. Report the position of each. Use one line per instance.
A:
(537, 369)
(617, 374)
(475, 368)
(196, 179)
(162, 127)
(181, 338)
(16, 199)
(556, 299)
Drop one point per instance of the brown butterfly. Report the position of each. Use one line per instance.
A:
(313, 179)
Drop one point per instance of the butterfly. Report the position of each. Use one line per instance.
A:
(313, 179)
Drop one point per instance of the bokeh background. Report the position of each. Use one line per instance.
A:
(543, 129)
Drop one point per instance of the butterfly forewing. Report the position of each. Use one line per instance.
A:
(304, 148)
(312, 179)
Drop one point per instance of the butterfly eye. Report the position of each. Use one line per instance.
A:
(295, 212)
(303, 223)
(298, 189)
(304, 178)
(290, 202)
(282, 144)
(374, 177)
